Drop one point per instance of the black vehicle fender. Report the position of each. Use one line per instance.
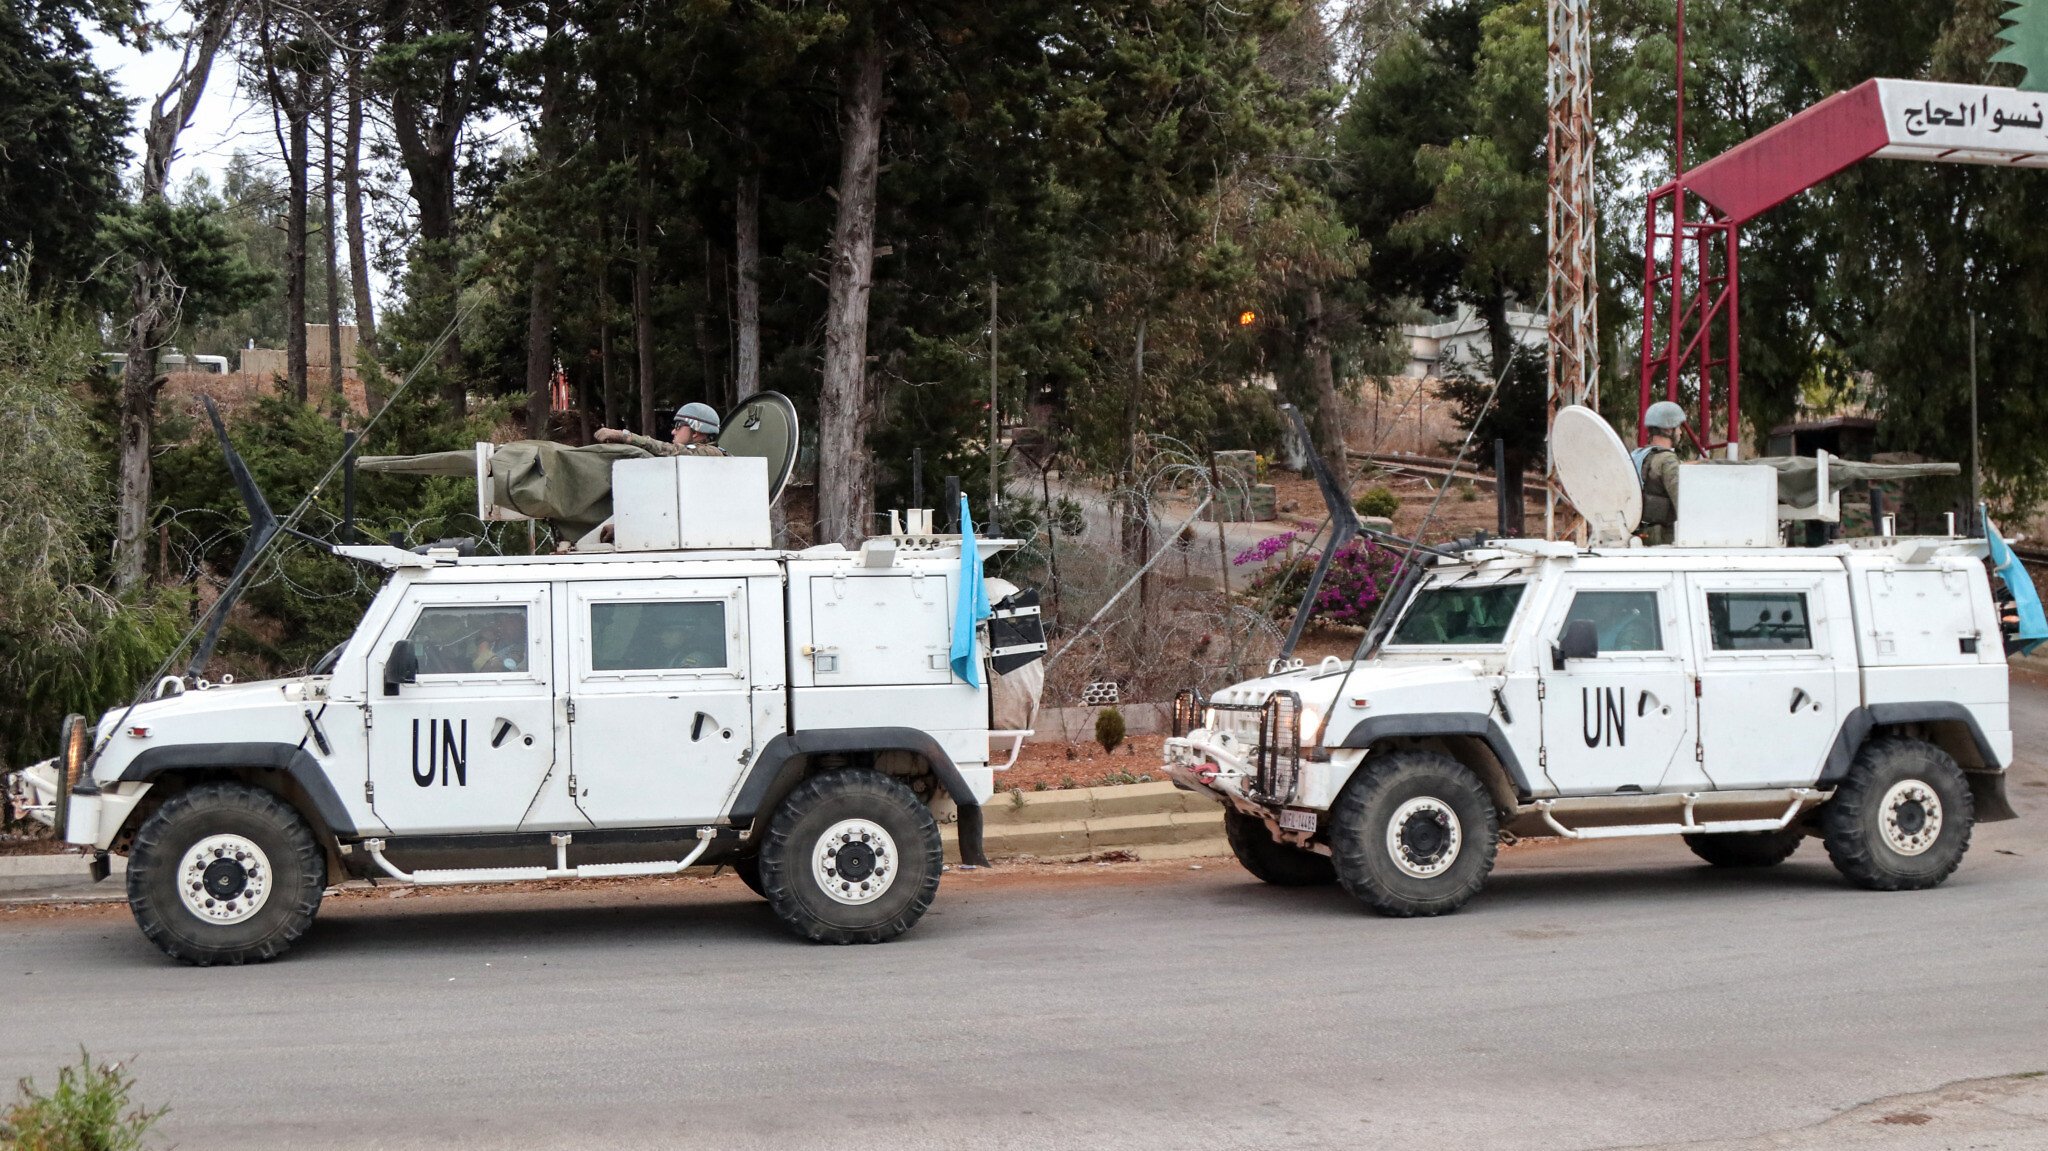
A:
(296, 762)
(782, 765)
(1445, 724)
(1987, 783)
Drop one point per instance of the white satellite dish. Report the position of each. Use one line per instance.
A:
(1597, 474)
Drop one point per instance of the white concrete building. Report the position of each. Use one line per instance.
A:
(1461, 339)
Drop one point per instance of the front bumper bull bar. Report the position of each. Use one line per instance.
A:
(1268, 770)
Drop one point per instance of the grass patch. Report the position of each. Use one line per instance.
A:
(88, 1110)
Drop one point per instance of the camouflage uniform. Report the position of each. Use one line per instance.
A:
(1660, 496)
(654, 447)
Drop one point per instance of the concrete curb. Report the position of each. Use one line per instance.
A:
(1145, 820)
(60, 878)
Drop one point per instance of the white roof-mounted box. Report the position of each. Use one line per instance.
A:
(681, 503)
(1727, 507)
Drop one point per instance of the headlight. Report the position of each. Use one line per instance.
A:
(74, 743)
(1311, 726)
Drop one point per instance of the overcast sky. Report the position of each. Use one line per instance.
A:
(224, 120)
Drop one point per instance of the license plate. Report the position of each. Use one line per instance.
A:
(1291, 820)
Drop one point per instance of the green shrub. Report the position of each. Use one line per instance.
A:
(1109, 728)
(65, 643)
(88, 1111)
(1377, 501)
(1468, 492)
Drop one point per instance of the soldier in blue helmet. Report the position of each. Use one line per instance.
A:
(695, 434)
(1657, 470)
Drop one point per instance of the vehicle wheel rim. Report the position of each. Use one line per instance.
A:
(855, 861)
(1909, 819)
(1424, 837)
(224, 879)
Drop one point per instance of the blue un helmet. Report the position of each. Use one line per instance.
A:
(701, 417)
(1665, 416)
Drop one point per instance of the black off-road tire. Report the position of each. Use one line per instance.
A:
(1747, 848)
(293, 880)
(1448, 830)
(1280, 864)
(1873, 846)
(748, 868)
(794, 851)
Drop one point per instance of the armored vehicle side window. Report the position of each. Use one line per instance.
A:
(1626, 620)
(1759, 621)
(1457, 616)
(470, 640)
(672, 636)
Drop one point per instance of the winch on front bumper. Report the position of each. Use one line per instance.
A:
(1246, 754)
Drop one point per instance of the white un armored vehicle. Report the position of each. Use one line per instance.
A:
(682, 694)
(1737, 693)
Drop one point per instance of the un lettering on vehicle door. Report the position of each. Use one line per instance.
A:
(466, 744)
(1622, 717)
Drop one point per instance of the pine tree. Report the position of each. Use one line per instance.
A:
(2026, 40)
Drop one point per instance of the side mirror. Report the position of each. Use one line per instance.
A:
(401, 666)
(1581, 640)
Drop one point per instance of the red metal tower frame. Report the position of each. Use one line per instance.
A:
(1697, 332)
(1693, 226)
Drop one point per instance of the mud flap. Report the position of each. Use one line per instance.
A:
(971, 852)
(1987, 795)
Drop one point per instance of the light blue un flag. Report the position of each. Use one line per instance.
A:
(971, 607)
(2026, 601)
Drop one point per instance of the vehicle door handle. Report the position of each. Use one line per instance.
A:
(1648, 700)
(703, 718)
(1801, 699)
(504, 728)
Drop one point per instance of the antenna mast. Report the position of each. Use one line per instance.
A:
(1573, 293)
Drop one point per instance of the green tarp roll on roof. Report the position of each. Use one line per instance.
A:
(569, 487)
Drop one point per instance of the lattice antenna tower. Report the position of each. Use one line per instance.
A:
(1573, 293)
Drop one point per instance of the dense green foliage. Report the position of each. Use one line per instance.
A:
(248, 211)
(65, 645)
(61, 128)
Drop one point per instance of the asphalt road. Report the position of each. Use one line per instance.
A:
(1606, 996)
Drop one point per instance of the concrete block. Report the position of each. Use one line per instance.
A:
(1265, 503)
(1240, 466)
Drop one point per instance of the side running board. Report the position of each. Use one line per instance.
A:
(561, 870)
(1799, 799)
